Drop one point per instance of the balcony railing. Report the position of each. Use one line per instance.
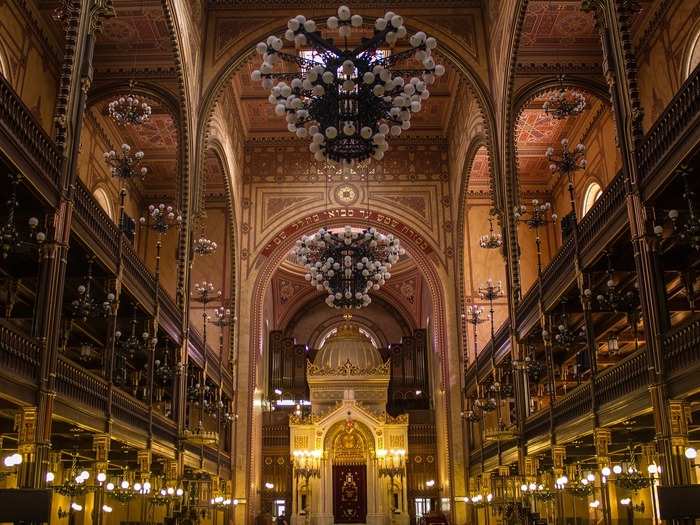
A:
(137, 272)
(96, 222)
(75, 384)
(573, 405)
(129, 410)
(609, 205)
(19, 354)
(537, 424)
(682, 347)
(626, 377)
(20, 123)
(680, 115)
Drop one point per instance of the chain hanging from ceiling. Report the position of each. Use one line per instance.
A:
(347, 100)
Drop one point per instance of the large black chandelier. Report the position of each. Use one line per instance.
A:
(348, 264)
(348, 100)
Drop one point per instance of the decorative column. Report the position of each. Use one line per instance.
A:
(82, 21)
(25, 426)
(558, 457)
(620, 69)
(679, 412)
(601, 439)
(100, 444)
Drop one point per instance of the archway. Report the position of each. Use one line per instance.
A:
(445, 365)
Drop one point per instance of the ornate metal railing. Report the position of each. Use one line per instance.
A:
(97, 223)
(573, 405)
(196, 345)
(537, 424)
(19, 121)
(525, 308)
(19, 354)
(136, 269)
(608, 205)
(559, 268)
(626, 377)
(682, 346)
(75, 384)
(129, 410)
(164, 428)
(679, 115)
(171, 315)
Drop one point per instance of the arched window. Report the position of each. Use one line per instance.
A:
(693, 55)
(102, 198)
(593, 193)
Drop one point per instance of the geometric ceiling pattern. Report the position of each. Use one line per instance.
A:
(535, 131)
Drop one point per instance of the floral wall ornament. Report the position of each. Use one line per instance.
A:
(348, 101)
(347, 265)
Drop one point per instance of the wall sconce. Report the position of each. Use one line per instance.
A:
(691, 453)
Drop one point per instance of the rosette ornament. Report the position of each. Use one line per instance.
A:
(348, 101)
(349, 264)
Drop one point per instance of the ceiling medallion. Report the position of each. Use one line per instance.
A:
(348, 264)
(564, 102)
(347, 100)
(346, 194)
(128, 109)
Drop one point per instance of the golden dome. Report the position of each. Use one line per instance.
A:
(348, 344)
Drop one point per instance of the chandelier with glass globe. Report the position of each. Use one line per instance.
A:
(348, 100)
(348, 264)
(128, 109)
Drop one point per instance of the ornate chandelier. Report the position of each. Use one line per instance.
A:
(124, 165)
(564, 103)
(348, 100)
(128, 109)
(491, 240)
(349, 264)
(204, 246)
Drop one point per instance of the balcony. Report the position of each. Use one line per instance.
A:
(95, 228)
(25, 143)
(672, 137)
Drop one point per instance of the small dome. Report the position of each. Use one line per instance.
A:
(348, 344)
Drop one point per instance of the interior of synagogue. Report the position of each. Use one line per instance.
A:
(389, 262)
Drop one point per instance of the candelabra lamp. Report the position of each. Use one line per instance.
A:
(391, 463)
(132, 357)
(203, 293)
(12, 239)
(307, 464)
(125, 165)
(491, 240)
(684, 225)
(474, 317)
(564, 336)
(628, 475)
(565, 163)
(161, 218)
(85, 306)
(536, 217)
